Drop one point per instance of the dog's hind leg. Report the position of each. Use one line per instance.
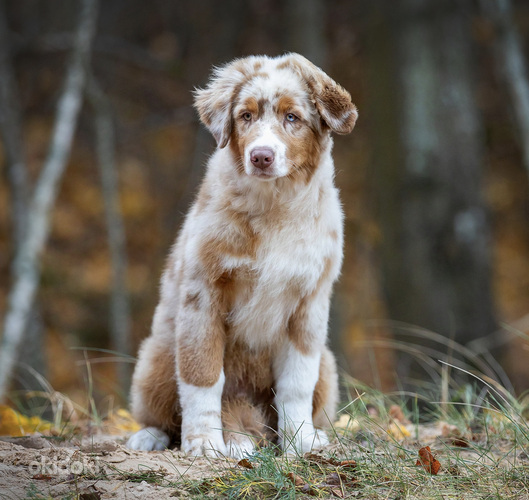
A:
(325, 398)
(154, 396)
(244, 425)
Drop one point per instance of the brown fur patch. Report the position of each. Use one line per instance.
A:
(325, 395)
(192, 300)
(303, 151)
(240, 419)
(157, 388)
(296, 327)
(248, 390)
(200, 359)
(240, 241)
(332, 100)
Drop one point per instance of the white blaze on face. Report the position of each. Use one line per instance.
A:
(267, 139)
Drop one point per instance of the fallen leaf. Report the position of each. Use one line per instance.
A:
(461, 442)
(318, 459)
(42, 477)
(245, 463)
(449, 430)
(120, 422)
(396, 413)
(303, 486)
(398, 431)
(428, 461)
(347, 464)
(13, 423)
(297, 480)
(345, 422)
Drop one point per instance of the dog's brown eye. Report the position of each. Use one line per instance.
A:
(247, 116)
(291, 117)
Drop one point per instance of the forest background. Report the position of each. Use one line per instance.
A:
(434, 178)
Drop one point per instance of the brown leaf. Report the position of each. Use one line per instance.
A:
(303, 486)
(396, 413)
(245, 463)
(428, 461)
(461, 442)
(42, 477)
(297, 480)
(318, 459)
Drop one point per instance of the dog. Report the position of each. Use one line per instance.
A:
(237, 356)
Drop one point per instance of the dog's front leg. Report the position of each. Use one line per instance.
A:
(296, 372)
(200, 346)
(296, 376)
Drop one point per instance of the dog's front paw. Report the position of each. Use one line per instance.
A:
(303, 440)
(204, 445)
(149, 439)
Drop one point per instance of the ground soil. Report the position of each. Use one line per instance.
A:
(95, 468)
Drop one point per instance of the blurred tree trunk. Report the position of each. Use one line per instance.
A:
(120, 331)
(16, 170)
(27, 267)
(511, 66)
(305, 29)
(428, 163)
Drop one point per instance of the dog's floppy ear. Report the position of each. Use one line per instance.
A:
(214, 103)
(332, 101)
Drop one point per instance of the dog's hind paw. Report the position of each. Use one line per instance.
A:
(240, 447)
(149, 439)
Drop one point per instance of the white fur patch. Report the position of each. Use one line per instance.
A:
(201, 422)
(296, 376)
(149, 439)
(240, 447)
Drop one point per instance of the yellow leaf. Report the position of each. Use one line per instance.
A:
(120, 422)
(15, 424)
(398, 431)
(346, 423)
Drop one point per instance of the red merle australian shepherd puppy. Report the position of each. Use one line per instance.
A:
(237, 354)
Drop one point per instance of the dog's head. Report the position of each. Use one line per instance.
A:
(275, 114)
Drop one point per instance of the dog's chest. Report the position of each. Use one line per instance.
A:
(287, 266)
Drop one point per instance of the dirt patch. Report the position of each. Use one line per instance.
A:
(34, 466)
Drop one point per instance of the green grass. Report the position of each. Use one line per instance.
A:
(466, 414)
(484, 454)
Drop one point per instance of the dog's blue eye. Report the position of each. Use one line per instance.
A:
(291, 117)
(247, 116)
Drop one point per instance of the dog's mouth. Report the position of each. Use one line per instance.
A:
(264, 174)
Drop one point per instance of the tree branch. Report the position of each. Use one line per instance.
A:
(27, 267)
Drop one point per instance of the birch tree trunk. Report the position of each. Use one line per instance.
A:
(16, 169)
(120, 309)
(27, 267)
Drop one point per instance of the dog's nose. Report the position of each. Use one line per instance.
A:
(262, 157)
